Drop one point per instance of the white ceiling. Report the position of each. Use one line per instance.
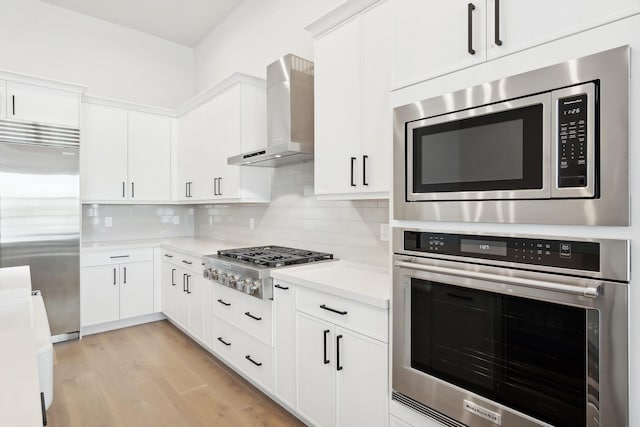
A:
(186, 22)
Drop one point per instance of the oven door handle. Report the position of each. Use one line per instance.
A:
(592, 291)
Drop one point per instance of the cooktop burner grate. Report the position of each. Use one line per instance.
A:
(274, 256)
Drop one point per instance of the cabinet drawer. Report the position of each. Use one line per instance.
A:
(256, 318)
(363, 318)
(122, 256)
(188, 262)
(225, 304)
(256, 361)
(226, 343)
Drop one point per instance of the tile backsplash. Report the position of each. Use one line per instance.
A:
(132, 222)
(295, 217)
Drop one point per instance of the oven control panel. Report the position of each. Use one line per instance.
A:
(572, 137)
(570, 254)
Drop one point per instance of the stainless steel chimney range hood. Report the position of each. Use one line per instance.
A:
(289, 116)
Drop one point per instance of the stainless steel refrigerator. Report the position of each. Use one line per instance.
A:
(40, 215)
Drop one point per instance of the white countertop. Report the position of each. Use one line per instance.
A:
(187, 245)
(360, 282)
(15, 282)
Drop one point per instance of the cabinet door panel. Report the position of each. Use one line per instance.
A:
(227, 141)
(43, 105)
(103, 153)
(361, 396)
(377, 137)
(195, 291)
(315, 378)
(430, 38)
(207, 312)
(338, 108)
(525, 24)
(149, 157)
(183, 298)
(190, 157)
(99, 294)
(136, 289)
(284, 339)
(169, 290)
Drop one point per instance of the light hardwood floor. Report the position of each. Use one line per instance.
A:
(152, 375)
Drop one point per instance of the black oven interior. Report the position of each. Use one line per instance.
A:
(526, 354)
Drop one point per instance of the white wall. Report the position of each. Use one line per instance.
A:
(348, 229)
(257, 33)
(43, 40)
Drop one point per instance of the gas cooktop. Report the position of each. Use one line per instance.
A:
(274, 256)
(248, 269)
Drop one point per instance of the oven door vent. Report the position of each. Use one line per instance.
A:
(425, 410)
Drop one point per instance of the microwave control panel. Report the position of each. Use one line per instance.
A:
(578, 255)
(572, 138)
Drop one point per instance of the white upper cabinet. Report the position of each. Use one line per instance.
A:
(125, 155)
(3, 99)
(432, 38)
(103, 153)
(32, 103)
(231, 121)
(352, 112)
(149, 157)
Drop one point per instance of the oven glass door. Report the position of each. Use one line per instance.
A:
(526, 354)
(491, 152)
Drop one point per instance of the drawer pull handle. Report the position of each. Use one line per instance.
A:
(119, 256)
(284, 288)
(338, 366)
(227, 304)
(326, 333)
(252, 316)
(228, 344)
(248, 357)
(43, 409)
(168, 256)
(187, 262)
(333, 310)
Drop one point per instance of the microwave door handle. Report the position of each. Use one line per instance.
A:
(591, 291)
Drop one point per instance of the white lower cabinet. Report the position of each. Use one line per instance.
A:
(112, 289)
(341, 376)
(283, 342)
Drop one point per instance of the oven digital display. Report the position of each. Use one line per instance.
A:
(488, 247)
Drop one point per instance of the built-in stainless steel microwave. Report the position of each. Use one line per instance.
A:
(547, 146)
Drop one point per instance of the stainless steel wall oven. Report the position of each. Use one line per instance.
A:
(511, 330)
(524, 149)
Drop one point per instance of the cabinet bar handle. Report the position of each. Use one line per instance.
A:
(215, 186)
(248, 357)
(226, 304)
(173, 277)
(186, 189)
(219, 186)
(114, 277)
(284, 288)
(13, 104)
(353, 160)
(228, 344)
(184, 282)
(497, 23)
(252, 316)
(188, 283)
(123, 189)
(338, 366)
(187, 262)
(326, 334)
(133, 190)
(125, 275)
(324, 307)
(43, 408)
(168, 256)
(364, 170)
(119, 256)
(470, 9)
